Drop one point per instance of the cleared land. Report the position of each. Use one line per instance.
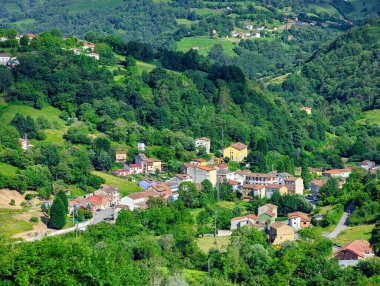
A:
(354, 233)
(125, 187)
(7, 169)
(204, 44)
(207, 242)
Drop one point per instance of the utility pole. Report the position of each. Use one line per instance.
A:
(215, 230)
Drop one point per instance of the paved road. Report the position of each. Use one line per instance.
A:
(342, 225)
(98, 217)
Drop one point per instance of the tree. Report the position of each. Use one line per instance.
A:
(57, 214)
(305, 174)
(375, 239)
(24, 41)
(61, 194)
(6, 79)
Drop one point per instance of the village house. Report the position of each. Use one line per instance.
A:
(247, 220)
(315, 186)
(137, 200)
(261, 179)
(98, 202)
(141, 146)
(3, 39)
(317, 171)
(76, 51)
(94, 55)
(4, 58)
(236, 152)
(221, 167)
(121, 173)
(179, 178)
(201, 173)
(298, 220)
(161, 189)
(351, 253)
(294, 185)
(260, 28)
(367, 165)
(120, 156)
(144, 184)
(234, 184)
(203, 142)
(199, 162)
(24, 144)
(79, 203)
(249, 27)
(224, 175)
(110, 192)
(338, 173)
(241, 176)
(88, 46)
(249, 190)
(148, 165)
(282, 176)
(133, 169)
(267, 212)
(280, 233)
(304, 108)
(30, 36)
(271, 188)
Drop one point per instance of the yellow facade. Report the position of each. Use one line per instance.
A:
(282, 234)
(235, 154)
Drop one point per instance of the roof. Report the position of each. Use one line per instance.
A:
(291, 179)
(272, 206)
(223, 172)
(358, 247)
(303, 216)
(222, 166)
(141, 195)
(133, 166)
(239, 146)
(203, 139)
(251, 216)
(367, 162)
(286, 174)
(254, 187)
(204, 168)
(200, 160)
(243, 172)
(336, 171)
(315, 170)
(233, 182)
(277, 225)
(95, 200)
(161, 188)
(261, 175)
(183, 176)
(5, 55)
(319, 183)
(274, 186)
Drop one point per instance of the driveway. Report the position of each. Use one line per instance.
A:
(342, 224)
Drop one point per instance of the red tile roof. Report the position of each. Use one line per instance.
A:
(303, 216)
(95, 200)
(239, 146)
(277, 225)
(360, 248)
(140, 195)
(251, 216)
(233, 183)
(291, 179)
(254, 187)
(337, 171)
(199, 160)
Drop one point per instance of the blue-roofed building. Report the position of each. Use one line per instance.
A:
(147, 183)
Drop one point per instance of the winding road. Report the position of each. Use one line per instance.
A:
(342, 224)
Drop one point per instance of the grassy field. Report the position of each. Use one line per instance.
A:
(370, 117)
(207, 242)
(185, 22)
(206, 11)
(143, 66)
(204, 44)
(354, 233)
(125, 187)
(10, 225)
(7, 169)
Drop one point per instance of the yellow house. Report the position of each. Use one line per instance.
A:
(280, 232)
(236, 152)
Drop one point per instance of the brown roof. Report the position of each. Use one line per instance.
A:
(243, 172)
(4, 55)
(358, 247)
(161, 188)
(254, 187)
(291, 179)
(140, 195)
(272, 214)
(261, 175)
(367, 162)
(251, 216)
(233, 182)
(239, 146)
(205, 168)
(303, 216)
(200, 160)
(203, 138)
(315, 170)
(319, 183)
(336, 171)
(274, 186)
(272, 206)
(278, 225)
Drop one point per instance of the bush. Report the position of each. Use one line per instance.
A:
(34, 219)
(29, 197)
(13, 202)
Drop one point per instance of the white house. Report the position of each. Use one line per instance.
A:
(367, 164)
(140, 146)
(247, 220)
(4, 58)
(201, 173)
(137, 200)
(249, 27)
(203, 142)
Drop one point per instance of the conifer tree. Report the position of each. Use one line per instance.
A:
(61, 194)
(57, 214)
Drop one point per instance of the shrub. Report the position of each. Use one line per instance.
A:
(13, 202)
(34, 219)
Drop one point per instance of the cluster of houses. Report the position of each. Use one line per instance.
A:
(18, 37)
(245, 35)
(278, 232)
(102, 198)
(87, 49)
(7, 60)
